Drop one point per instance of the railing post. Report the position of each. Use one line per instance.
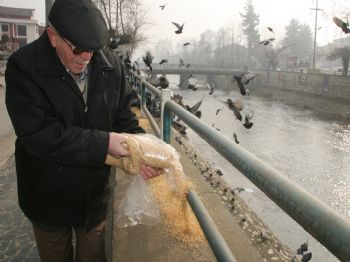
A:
(143, 98)
(165, 117)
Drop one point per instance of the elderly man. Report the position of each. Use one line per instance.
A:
(68, 100)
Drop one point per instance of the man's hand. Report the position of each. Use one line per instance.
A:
(117, 146)
(148, 172)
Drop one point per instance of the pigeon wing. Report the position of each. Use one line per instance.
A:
(177, 25)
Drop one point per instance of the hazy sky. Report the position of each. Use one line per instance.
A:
(199, 15)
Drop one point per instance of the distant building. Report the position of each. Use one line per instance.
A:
(17, 27)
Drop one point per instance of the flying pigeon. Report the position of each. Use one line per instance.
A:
(267, 41)
(187, 43)
(270, 29)
(179, 28)
(162, 7)
(195, 108)
(247, 77)
(247, 124)
(240, 84)
(148, 59)
(236, 107)
(343, 25)
(163, 61)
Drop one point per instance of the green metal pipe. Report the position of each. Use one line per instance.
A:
(217, 243)
(151, 119)
(323, 223)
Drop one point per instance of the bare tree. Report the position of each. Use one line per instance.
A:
(125, 19)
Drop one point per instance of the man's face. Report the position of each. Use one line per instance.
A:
(72, 58)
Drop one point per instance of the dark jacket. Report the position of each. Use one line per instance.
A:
(62, 143)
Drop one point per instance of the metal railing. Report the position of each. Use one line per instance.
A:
(217, 243)
(322, 222)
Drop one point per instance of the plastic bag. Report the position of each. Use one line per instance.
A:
(138, 205)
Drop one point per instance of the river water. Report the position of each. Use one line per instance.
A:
(311, 151)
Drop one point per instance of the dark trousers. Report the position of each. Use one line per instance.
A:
(56, 245)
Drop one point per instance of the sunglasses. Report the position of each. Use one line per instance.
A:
(75, 50)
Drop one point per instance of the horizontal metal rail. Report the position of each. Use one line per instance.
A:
(322, 222)
(217, 243)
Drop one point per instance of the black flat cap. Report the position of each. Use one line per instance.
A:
(80, 22)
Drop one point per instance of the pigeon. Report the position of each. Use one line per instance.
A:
(179, 28)
(218, 110)
(235, 107)
(182, 63)
(235, 138)
(127, 59)
(211, 89)
(306, 257)
(178, 126)
(178, 99)
(267, 41)
(270, 29)
(240, 84)
(163, 61)
(303, 247)
(343, 25)
(195, 108)
(162, 7)
(193, 87)
(187, 43)
(187, 65)
(148, 59)
(243, 80)
(247, 124)
(248, 77)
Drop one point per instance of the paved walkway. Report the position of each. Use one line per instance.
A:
(16, 238)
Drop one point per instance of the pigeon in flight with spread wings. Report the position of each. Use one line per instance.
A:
(235, 106)
(195, 108)
(186, 44)
(162, 7)
(243, 80)
(179, 28)
(163, 61)
(267, 41)
(343, 25)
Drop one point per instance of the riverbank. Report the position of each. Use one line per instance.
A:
(324, 106)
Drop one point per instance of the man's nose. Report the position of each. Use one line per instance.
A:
(86, 55)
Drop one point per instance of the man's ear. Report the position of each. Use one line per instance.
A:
(52, 34)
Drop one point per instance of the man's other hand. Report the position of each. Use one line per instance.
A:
(148, 172)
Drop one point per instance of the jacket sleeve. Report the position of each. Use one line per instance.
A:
(125, 120)
(40, 132)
